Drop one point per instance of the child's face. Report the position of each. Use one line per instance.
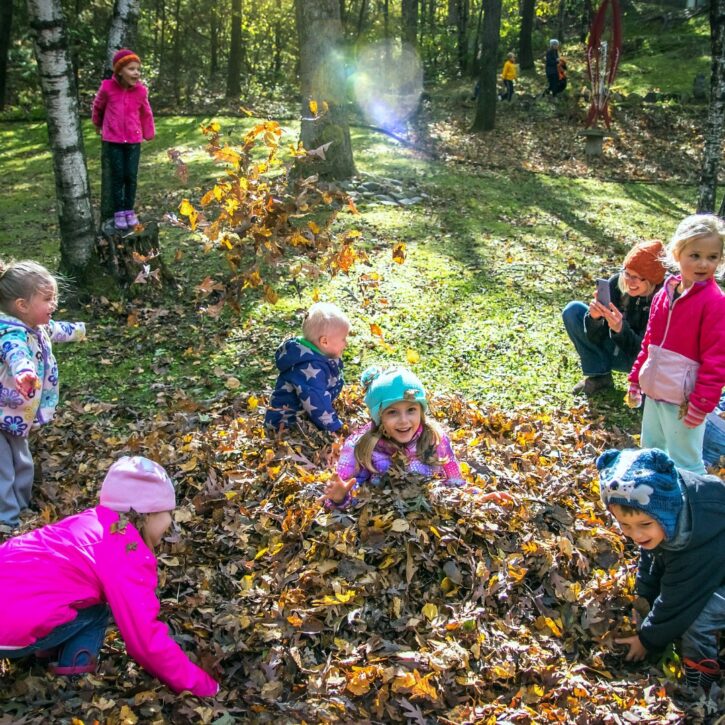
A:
(641, 528)
(155, 526)
(698, 260)
(130, 74)
(39, 308)
(334, 341)
(401, 421)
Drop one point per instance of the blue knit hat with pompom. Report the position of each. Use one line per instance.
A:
(646, 480)
(386, 386)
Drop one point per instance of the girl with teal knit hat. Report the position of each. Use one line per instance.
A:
(397, 403)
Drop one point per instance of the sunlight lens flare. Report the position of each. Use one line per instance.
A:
(387, 83)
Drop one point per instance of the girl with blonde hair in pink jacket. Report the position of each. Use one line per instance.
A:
(61, 581)
(681, 366)
(123, 117)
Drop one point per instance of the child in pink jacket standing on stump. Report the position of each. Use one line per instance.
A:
(59, 582)
(123, 117)
(681, 366)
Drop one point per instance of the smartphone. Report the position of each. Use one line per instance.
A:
(603, 296)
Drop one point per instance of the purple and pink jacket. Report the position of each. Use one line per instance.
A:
(692, 326)
(50, 573)
(382, 460)
(123, 114)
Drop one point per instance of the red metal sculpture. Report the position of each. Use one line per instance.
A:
(603, 59)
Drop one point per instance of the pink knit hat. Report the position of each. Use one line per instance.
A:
(123, 56)
(135, 482)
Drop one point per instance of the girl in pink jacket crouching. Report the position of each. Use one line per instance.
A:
(60, 581)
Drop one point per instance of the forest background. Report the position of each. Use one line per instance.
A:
(456, 256)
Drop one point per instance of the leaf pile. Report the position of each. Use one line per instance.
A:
(419, 604)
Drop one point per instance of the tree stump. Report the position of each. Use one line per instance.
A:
(133, 256)
(594, 139)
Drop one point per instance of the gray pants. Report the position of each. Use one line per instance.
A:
(699, 642)
(16, 477)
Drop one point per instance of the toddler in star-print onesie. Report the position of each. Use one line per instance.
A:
(310, 371)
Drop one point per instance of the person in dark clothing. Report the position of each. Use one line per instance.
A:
(552, 67)
(609, 337)
(677, 518)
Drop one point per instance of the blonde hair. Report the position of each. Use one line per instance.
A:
(425, 446)
(320, 318)
(694, 227)
(622, 284)
(21, 280)
(511, 56)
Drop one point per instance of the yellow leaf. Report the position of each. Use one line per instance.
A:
(345, 597)
(376, 330)
(316, 295)
(295, 620)
(399, 253)
(186, 208)
(313, 107)
(261, 553)
(127, 716)
(404, 682)
(270, 295)
(424, 687)
(412, 357)
(252, 402)
(429, 611)
(314, 228)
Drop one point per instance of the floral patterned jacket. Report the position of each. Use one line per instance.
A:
(29, 349)
(382, 459)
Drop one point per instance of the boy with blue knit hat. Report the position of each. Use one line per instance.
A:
(677, 518)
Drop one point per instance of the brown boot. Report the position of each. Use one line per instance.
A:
(594, 384)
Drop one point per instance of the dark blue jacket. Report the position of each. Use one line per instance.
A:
(308, 382)
(679, 576)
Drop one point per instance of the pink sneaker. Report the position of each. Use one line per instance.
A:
(131, 219)
(119, 221)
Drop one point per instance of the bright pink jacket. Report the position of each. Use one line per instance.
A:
(123, 114)
(50, 573)
(696, 331)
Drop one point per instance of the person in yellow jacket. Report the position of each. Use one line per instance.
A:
(508, 75)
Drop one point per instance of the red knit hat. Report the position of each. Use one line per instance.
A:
(645, 260)
(122, 57)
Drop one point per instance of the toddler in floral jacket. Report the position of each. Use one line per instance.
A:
(28, 373)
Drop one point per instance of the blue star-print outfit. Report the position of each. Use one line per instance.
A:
(308, 383)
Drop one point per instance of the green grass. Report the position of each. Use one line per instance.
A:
(492, 258)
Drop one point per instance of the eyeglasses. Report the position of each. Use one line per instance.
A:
(632, 277)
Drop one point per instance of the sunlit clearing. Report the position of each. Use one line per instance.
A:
(387, 83)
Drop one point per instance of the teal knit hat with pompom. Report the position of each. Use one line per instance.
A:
(386, 386)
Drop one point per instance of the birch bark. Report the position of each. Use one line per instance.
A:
(72, 190)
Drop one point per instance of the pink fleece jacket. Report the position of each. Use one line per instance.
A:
(50, 573)
(696, 331)
(123, 114)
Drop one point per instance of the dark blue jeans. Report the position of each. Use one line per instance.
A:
(699, 642)
(596, 359)
(713, 445)
(79, 640)
(123, 159)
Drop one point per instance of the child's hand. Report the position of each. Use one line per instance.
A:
(337, 489)
(499, 497)
(637, 651)
(26, 383)
(693, 417)
(634, 396)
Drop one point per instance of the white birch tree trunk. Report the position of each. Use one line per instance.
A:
(322, 79)
(124, 23)
(712, 149)
(75, 215)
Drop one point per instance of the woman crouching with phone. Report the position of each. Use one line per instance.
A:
(607, 333)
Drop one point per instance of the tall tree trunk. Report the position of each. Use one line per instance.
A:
(486, 108)
(72, 189)
(123, 30)
(462, 27)
(410, 22)
(213, 42)
(176, 77)
(234, 69)
(526, 53)
(712, 150)
(361, 18)
(6, 23)
(562, 21)
(322, 79)
(122, 34)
